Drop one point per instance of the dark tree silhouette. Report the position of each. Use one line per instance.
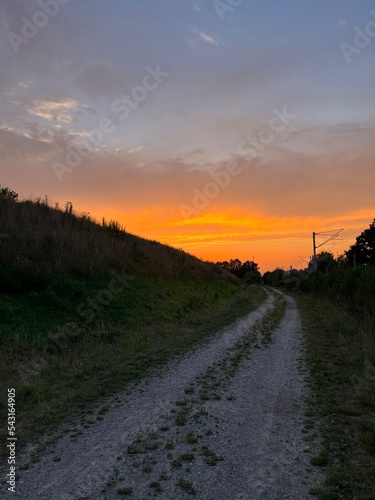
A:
(326, 262)
(236, 267)
(8, 193)
(363, 251)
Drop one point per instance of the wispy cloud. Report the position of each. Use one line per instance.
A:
(208, 39)
(57, 111)
(201, 36)
(138, 149)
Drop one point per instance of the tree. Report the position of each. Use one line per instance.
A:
(252, 277)
(326, 262)
(363, 251)
(274, 278)
(7, 193)
(236, 267)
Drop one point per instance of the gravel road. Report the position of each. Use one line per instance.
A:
(225, 421)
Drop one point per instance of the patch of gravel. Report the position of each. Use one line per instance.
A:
(225, 421)
(261, 433)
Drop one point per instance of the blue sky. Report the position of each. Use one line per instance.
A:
(226, 77)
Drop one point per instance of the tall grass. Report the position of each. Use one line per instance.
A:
(46, 239)
(354, 289)
(338, 313)
(54, 264)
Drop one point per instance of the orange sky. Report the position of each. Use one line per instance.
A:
(229, 137)
(266, 212)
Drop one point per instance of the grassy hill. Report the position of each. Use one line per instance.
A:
(87, 308)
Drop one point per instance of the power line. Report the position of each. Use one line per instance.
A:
(315, 246)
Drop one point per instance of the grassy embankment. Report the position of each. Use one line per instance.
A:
(338, 314)
(87, 309)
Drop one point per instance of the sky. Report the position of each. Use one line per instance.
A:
(230, 129)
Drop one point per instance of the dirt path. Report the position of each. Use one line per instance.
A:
(223, 422)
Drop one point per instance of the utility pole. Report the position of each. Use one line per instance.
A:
(314, 262)
(332, 237)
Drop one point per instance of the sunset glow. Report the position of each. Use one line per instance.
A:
(229, 134)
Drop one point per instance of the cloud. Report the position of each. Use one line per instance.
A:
(208, 39)
(17, 144)
(294, 185)
(57, 111)
(138, 149)
(35, 142)
(194, 153)
(201, 36)
(25, 101)
(270, 206)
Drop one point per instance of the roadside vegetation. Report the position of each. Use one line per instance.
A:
(340, 356)
(87, 308)
(337, 305)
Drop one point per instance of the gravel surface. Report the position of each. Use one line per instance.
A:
(225, 421)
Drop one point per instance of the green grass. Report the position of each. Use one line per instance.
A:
(191, 437)
(340, 358)
(145, 325)
(87, 308)
(321, 459)
(187, 486)
(210, 456)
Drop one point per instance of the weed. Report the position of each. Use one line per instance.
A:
(169, 445)
(187, 486)
(182, 402)
(181, 418)
(151, 445)
(191, 437)
(210, 456)
(103, 410)
(321, 459)
(156, 486)
(176, 463)
(125, 490)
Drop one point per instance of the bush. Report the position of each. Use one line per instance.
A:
(355, 287)
(274, 278)
(252, 277)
